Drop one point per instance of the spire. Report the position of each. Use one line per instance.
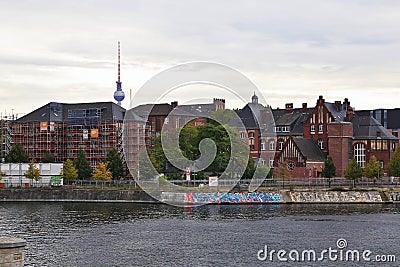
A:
(119, 95)
(254, 99)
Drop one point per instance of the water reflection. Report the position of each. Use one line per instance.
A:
(82, 234)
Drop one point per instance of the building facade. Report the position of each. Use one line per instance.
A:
(63, 129)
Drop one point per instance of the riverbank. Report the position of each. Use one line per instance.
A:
(358, 196)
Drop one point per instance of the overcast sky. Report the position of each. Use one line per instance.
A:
(293, 51)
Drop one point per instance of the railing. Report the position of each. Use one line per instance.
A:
(267, 184)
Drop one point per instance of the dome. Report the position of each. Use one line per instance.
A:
(119, 95)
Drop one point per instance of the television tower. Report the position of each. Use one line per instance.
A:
(119, 95)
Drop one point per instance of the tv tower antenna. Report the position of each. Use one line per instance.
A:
(119, 95)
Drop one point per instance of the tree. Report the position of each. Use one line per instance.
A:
(283, 170)
(33, 172)
(373, 169)
(114, 163)
(82, 165)
(249, 172)
(353, 171)
(1, 175)
(330, 170)
(69, 171)
(102, 173)
(17, 154)
(48, 157)
(394, 163)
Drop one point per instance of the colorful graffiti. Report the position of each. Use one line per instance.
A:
(395, 196)
(219, 197)
(333, 196)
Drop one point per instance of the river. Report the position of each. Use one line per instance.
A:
(105, 234)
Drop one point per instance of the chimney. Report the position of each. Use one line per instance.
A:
(349, 113)
(321, 99)
(338, 105)
(378, 133)
(289, 107)
(174, 104)
(304, 107)
(346, 103)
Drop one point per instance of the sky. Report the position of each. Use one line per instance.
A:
(293, 51)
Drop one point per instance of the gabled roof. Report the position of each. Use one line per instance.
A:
(309, 149)
(58, 112)
(338, 115)
(366, 127)
(251, 115)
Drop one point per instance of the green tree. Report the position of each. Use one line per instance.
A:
(394, 163)
(48, 157)
(33, 172)
(330, 170)
(114, 163)
(68, 171)
(102, 173)
(17, 154)
(250, 168)
(353, 171)
(373, 169)
(82, 165)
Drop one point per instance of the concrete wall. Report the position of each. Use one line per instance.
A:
(63, 194)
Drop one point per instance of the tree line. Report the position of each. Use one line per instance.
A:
(78, 168)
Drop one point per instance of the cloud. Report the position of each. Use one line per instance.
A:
(336, 48)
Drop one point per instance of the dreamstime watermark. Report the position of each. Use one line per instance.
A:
(340, 253)
(156, 89)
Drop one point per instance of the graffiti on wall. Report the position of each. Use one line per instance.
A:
(219, 197)
(395, 196)
(333, 196)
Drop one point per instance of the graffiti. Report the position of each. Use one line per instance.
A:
(335, 197)
(218, 197)
(395, 196)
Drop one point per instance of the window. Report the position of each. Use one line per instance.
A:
(277, 129)
(271, 162)
(320, 128)
(359, 153)
(280, 144)
(272, 145)
(312, 128)
(321, 143)
(285, 129)
(251, 135)
(261, 161)
(263, 146)
(242, 135)
(291, 165)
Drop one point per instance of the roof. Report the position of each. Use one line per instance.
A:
(338, 115)
(295, 119)
(392, 116)
(309, 149)
(251, 115)
(58, 112)
(147, 110)
(366, 127)
(198, 110)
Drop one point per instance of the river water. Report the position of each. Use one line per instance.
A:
(83, 234)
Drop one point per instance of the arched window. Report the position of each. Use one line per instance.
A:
(359, 154)
(272, 145)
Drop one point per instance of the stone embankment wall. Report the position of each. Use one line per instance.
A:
(137, 196)
(335, 197)
(84, 195)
